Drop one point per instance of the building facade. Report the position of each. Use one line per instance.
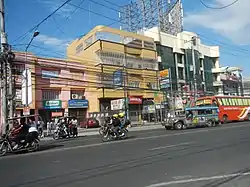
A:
(228, 81)
(187, 66)
(58, 87)
(123, 64)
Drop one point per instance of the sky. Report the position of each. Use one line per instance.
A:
(229, 28)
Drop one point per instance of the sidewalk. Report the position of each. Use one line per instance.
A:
(95, 131)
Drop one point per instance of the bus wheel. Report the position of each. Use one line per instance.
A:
(225, 119)
(178, 126)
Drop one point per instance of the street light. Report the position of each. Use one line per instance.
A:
(35, 34)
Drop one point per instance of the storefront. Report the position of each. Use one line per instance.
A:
(135, 108)
(51, 109)
(78, 108)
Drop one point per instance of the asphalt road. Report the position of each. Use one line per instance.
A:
(207, 157)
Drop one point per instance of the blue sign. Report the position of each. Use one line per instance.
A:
(78, 103)
(118, 78)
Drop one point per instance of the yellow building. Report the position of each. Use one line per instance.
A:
(122, 64)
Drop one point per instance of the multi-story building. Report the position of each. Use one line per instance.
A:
(246, 86)
(58, 87)
(123, 64)
(227, 81)
(175, 53)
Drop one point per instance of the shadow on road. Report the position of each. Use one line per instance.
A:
(49, 146)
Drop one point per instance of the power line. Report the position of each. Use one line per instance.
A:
(218, 8)
(41, 22)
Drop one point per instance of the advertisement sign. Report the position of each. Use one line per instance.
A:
(26, 87)
(78, 103)
(52, 104)
(117, 104)
(164, 73)
(136, 100)
(118, 78)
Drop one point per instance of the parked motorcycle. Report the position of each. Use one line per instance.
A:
(7, 145)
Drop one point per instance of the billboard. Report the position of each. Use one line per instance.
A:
(118, 78)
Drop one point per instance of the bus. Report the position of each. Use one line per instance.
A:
(231, 108)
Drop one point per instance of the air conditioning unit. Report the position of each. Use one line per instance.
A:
(74, 96)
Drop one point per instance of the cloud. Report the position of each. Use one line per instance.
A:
(56, 43)
(65, 11)
(232, 22)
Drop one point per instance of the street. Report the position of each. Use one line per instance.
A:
(207, 157)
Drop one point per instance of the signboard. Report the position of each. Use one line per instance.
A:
(52, 104)
(164, 73)
(164, 83)
(117, 104)
(78, 103)
(26, 111)
(118, 78)
(204, 102)
(26, 81)
(135, 100)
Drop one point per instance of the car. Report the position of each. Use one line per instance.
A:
(90, 123)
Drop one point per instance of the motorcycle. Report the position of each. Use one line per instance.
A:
(7, 145)
(107, 133)
(60, 132)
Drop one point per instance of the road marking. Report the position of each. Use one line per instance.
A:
(169, 146)
(182, 177)
(124, 141)
(199, 179)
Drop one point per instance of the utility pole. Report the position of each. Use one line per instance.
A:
(193, 43)
(4, 110)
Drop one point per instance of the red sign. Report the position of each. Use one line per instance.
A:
(137, 100)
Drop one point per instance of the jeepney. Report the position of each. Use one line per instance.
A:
(193, 117)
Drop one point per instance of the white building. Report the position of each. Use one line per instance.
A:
(175, 52)
(228, 80)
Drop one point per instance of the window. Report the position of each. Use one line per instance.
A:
(152, 86)
(179, 58)
(77, 94)
(108, 37)
(88, 41)
(50, 94)
(149, 45)
(134, 84)
(79, 48)
(77, 75)
(47, 74)
(181, 73)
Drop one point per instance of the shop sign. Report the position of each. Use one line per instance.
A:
(78, 103)
(49, 74)
(117, 104)
(135, 100)
(118, 78)
(52, 104)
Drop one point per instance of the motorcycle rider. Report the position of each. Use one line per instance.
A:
(20, 131)
(116, 124)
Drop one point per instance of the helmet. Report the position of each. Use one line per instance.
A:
(115, 116)
(121, 115)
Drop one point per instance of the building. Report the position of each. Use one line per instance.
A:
(228, 81)
(58, 87)
(124, 65)
(175, 53)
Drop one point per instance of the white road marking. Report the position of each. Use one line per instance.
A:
(199, 179)
(169, 146)
(182, 177)
(124, 141)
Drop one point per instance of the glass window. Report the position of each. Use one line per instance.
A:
(88, 41)
(108, 37)
(149, 45)
(77, 94)
(47, 74)
(79, 48)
